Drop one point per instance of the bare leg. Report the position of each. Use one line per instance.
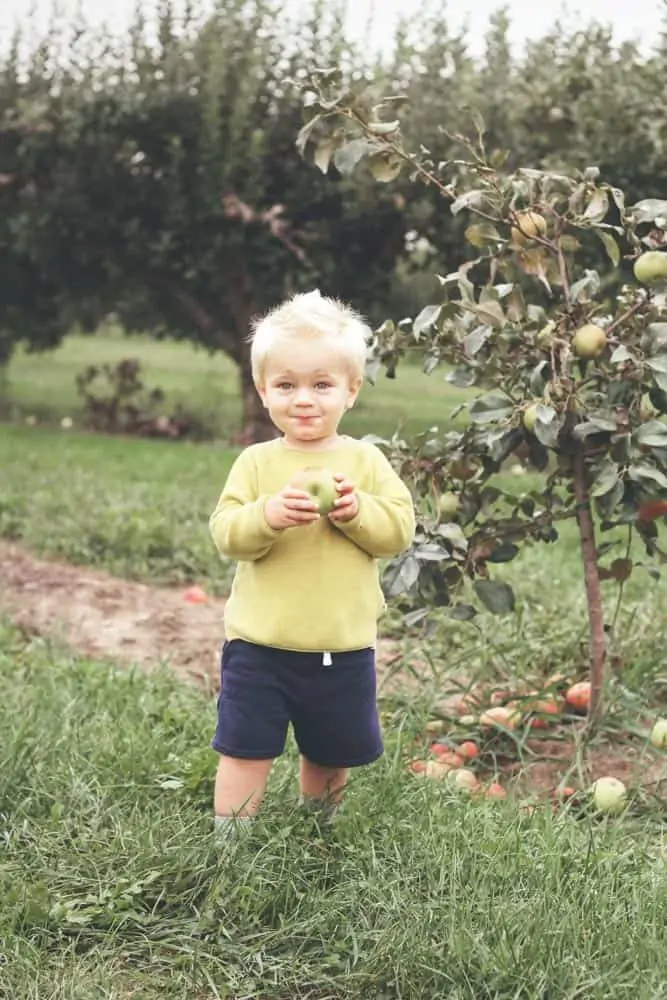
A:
(240, 785)
(323, 784)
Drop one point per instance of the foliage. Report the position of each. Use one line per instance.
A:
(159, 182)
(115, 400)
(574, 379)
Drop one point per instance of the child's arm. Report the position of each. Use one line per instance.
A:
(238, 525)
(384, 524)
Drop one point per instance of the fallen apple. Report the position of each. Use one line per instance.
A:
(658, 735)
(468, 750)
(321, 486)
(500, 716)
(578, 696)
(463, 778)
(589, 341)
(195, 595)
(496, 791)
(609, 795)
(651, 268)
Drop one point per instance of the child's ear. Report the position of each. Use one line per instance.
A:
(261, 391)
(355, 387)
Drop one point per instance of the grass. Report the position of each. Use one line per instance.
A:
(110, 885)
(42, 386)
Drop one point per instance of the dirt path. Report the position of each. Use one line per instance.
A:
(102, 616)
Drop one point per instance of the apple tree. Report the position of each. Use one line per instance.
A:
(567, 363)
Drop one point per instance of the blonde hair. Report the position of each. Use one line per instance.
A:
(311, 316)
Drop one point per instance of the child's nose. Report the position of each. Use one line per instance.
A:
(303, 396)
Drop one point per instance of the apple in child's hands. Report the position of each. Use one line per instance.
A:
(320, 484)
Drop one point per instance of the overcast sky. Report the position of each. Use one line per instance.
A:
(639, 19)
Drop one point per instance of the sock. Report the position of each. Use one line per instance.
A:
(230, 828)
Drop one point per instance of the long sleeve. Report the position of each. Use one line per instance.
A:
(385, 524)
(237, 524)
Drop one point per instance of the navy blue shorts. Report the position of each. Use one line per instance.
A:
(332, 707)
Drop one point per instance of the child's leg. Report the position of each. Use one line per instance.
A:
(322, 784)
(240, 786)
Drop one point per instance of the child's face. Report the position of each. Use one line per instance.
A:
(307, 389)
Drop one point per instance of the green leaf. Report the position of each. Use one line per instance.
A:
(475, 340)
(607, 475)
(323, 153)
(426, 318)
(504, 553)
(654, 338)
(586, 288)
(348, 156)
(304, 134)
(652, 434)
(491, 407)
(547, 426)
(643, 471)
(611, 246)
(481, 234)
(496, 596)
(658, 363)
(621, 354)
(598, 206)
(502, 442)
(454, 534)
(462, 612)
(462, 377)
(383, 128)
(649, 210)
(469, 199)
(594, 425)
(401, 575)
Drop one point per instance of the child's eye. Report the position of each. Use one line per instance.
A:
(284, 385)
(322, 385)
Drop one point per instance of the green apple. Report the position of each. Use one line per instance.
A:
(651, 268)
(658, 735)
(448, 505)
(609, 795)
(321, 486)
(530, 417)
(589, 341)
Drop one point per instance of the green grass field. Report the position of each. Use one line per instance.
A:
(42, 386)
(110, 886)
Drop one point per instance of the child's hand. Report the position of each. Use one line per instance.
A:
(290, 508)
(347, 504)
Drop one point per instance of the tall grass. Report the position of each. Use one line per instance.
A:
(111, 886)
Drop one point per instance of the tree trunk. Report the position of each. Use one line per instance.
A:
(257, 425)
(592, 586)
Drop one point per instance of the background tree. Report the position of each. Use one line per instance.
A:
(160, 182)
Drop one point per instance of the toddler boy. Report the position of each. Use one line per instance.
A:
(301, 619)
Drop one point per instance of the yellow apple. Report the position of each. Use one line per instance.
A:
(609, 795)
(528, 226)
(589, 341)
(658, 735)
(651, 268)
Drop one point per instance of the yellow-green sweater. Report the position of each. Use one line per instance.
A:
(314, 587)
